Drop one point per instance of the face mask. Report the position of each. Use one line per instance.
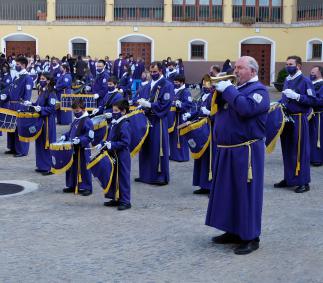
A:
(78, 114)
(171, 70)
(177, 86)
(111, 88)
(291, 70)
(155, 77)
(206, 90)
(313, 78)
(116, 116)
(18, 68)
(43, 83)
(54, 64)
(143, 79)
(99, 70)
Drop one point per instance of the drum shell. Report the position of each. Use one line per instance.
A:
(61, 157)
(8, 120)
(100, 126)
(29, 126)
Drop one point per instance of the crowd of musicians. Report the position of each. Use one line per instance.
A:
(230, 170)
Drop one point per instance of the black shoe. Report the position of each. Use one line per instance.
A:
(302, 189)
(40, 171)
(47, 173)
(10, 152)
(226, 238)
(247, 247)
(201, 192)
(68, 190)
(19, 155)
(159, 183)
(85, 193)
(281, 184)
(317, 164)
(123, 206)
(111, 203)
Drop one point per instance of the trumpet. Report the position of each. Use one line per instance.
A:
(209, 81)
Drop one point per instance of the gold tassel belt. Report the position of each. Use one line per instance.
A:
(318, 142)
(248, 144)
(298, 162)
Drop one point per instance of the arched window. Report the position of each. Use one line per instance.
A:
(197, 50)
(78, 46)
(314, 50)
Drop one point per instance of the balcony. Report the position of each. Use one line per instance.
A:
(312, 12)
(28, 10)
(147, 13)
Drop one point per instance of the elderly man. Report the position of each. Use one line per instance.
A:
(316, 127)
(235, 203)
(298, 97)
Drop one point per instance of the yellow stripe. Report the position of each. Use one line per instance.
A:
(214, 106)
(270, 147)
(173, 109)
(64, 169)
(27, 115)
(106, 190)
(138, 147)
(7, 130)
(96, 160)
(193, 126)
(31, 139)
(63, 146)
(134, 113)
(172, 128)
(100, 125)
(77, 95)
(47, 135)
(199, 154)
(8, 111)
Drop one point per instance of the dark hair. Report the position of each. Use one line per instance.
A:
(171, 64)
(102, 62)
(179, 78)
(113, 80)
(296, 58)
(156, 64)
(66, 67)
(22, 60)
(216, 68)
(320, 69)
(79, 57)
(51, 80)
(122, 105)
(78, 103)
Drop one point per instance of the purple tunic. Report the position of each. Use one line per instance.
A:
(100, 86)
(64, 85)
(235, 203)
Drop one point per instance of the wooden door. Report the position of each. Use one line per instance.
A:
(262, 53)
(138, 50)
(27, 48)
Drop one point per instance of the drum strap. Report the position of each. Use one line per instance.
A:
(80, 126)
(108, 104)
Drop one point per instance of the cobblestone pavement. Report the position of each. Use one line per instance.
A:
(47, 236)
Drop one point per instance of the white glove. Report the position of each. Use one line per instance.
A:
(130, 102)
(222, 85)
(27, 103)
(120, 90)
(108, 115)
(99, 146)
(205, 111)
(291, 94)
(3, 96)
(37, 108)
(178, 103)
(87, 88)
(95, 111)
(108, 144)
(186, 116)
(96, 96)
(144, 103)
(62, 138)
(76, 140)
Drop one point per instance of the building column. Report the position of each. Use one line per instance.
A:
(227, 11)
(109, 10)
(289, 11)
(168, 11)
(51, 10)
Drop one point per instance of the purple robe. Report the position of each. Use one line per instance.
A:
(64, 85)
(235, 203)
(100, 86)
(118, 66)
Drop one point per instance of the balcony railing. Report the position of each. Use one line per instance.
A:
(23, 11)
(141, 14)
(197, 13)
(253, 14)
(310, 12)
(80, 11)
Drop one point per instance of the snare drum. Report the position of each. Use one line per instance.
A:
(67, 100)
(102, 168)
(100, 126)
(29, 126)
(8, 120)
(198, 136)
(61, 154)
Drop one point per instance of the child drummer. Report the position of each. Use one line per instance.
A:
(117, 144)
(78, 178)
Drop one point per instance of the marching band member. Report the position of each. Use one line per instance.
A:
(5, 81)
(55, 69)
(92, 66)
(125, 82)
(108, 65)
(154, 154)
(78, 177)
(171, 72)
(235, 202)
(202, 176)
(117, 143)
(64, 85)
(144, 89)
(316, 126)
(298, 96)
(20, 91)
(45, 106)
(100, 86)
(139, 68)
(118, 66)
(182, 101)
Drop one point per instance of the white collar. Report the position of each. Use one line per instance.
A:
(178, 89)
(153, 83)
(57, 66)
(171, 72)
(124, 74)
(317, 81)
(115, 90)
(205, 96)
(22, 72)
(85, 114)
(290, 78)
(144, 83)
(252, 80)
(114, 122)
